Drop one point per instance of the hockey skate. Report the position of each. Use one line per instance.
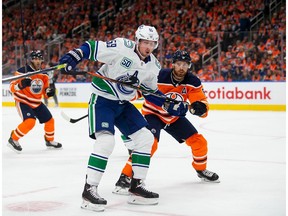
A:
(14, 145)
(208, 176)
(53, 144)
(122, 185)
(92, 200)
(141, 196)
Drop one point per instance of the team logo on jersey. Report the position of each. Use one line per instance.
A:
(105, 124)
(36, 86)
(130, 80)
(128, 43)
(175, 96)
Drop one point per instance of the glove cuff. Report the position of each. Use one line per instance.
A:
(77, 54)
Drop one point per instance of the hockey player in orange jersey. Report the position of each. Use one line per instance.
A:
(28, 93)
(177, 83)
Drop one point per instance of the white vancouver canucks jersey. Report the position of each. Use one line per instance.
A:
(122, 63)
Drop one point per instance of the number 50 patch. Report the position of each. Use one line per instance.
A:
(126, 62)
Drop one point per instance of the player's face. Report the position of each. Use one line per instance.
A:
(146, 47)
(180, 69)
(36, 63)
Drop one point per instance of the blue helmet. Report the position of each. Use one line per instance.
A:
(36, 54)
(181, 55)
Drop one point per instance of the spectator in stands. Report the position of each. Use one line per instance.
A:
(70, 79)
(237, 75)
(245, 76)
(244, 25)
(80, 78)
(203, 24)
(256, 76)
(269, 76)
(229, 77)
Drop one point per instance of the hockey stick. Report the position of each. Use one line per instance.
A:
(71, 120)
(57, 67)
(67, 118)
(133, 87)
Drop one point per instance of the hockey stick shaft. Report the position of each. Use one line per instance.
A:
(76, 120)
(57, 67)
(133, 87)
(67, 118)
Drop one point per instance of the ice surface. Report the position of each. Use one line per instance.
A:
(247, 150)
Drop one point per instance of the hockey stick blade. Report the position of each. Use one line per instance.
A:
(71, 120)
(57, 67)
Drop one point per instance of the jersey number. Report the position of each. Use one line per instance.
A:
(111, 43)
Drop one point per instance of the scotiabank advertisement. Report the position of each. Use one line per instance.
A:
(221, 95)
(245, 92)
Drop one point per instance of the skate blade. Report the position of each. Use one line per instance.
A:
(13, 149)
(53, 148)
(138, 200)
(208, 181)
(121, 191)
(92, 207)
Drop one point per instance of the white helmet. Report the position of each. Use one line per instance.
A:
(147, 33)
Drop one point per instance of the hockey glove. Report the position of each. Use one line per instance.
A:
(72, 58)
(50, 92)
(198, 108)
(25, 83)
(176, 109)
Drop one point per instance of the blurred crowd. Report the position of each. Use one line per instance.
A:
(196, 26)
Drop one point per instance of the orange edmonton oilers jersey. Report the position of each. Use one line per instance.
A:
(30, 95)
(190, 90)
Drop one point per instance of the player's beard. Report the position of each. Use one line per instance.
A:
(179, 75)
(36, 66)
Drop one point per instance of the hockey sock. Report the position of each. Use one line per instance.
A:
(140, 164)
(97, 163)
(127, 170)
(23, 129)
(199, 149)
(49, 130)
(96, 167)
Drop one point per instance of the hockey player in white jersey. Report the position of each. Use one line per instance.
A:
(109, 106)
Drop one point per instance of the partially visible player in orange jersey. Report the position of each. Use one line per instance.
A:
(28, 93)
(180, 84)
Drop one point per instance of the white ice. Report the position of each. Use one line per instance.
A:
(246, 149)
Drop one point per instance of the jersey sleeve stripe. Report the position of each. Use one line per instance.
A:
(93, 47)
